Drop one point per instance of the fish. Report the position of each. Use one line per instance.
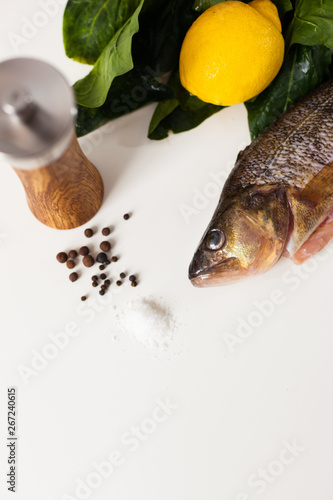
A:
(277, 200)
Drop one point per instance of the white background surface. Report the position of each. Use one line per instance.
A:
(237, 407)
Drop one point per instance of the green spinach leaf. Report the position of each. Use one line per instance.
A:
(115, 60)
(162, 30)
(181, 120)
(283, 6)
(201, 5)
(302, 71)
(127, 93)
(162, 110)
(312, 23)
(89, 25)
(182, 113)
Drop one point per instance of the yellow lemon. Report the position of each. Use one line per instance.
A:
(232, 52)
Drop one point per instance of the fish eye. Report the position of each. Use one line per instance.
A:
(215, 239)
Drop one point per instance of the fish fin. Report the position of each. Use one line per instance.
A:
(310, 207)
(319, 188)
(316, 242)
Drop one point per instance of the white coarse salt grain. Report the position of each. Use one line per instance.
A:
(148, 322)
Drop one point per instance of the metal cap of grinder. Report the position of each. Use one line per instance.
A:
(37, 113)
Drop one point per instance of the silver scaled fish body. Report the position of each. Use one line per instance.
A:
(278, 199)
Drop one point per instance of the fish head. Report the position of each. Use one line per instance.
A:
(246, 236)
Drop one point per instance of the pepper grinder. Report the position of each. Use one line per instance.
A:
(37, 117)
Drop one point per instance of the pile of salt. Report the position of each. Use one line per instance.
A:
(148, 322)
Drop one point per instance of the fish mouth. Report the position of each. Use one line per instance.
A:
(225, 272)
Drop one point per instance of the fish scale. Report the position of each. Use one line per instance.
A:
(293, 149)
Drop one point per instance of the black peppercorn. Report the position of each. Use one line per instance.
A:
(114, 259)
(88, 260)
(62, 257)
(105, 246)
(73, 276)
(126, 216)
(132, 277)
(94, 284)
(102, 292)
(101, 267)
(83, 298)
(107, 282)
(88, 233)
(84, 251)
(134, 283)
(107, 262)
(106, 231)
(94, 278)
(119, 283)
(103, 287)
(103, 276)
(122, 275)
(101, 257)
(70, 264)
(72, 254)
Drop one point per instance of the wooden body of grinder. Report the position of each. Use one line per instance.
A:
(37, 117)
